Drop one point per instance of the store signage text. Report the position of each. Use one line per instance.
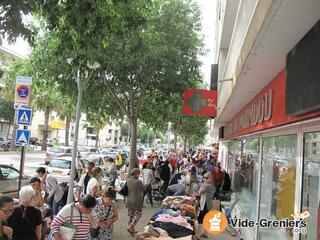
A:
(254, 114)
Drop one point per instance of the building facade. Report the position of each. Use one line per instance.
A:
(269, 111)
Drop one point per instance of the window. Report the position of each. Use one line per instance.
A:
(89, 130)
(56, 150)
(243, 165)
(311, 182)
(57, 163)
(110, 131)
(9, 173)
(278, 181)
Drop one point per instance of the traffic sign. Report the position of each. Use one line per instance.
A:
(24, 117)
(22, 137)
(22, 92)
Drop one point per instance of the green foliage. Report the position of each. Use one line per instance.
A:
(11, 20)
(6, 110)
(193, 128)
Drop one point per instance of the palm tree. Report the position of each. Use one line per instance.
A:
(45, 98)
(67, 111)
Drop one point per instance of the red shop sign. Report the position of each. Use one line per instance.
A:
(264, 111)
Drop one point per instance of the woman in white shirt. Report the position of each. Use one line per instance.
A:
(93, 184)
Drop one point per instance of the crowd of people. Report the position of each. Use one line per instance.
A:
(42, 212)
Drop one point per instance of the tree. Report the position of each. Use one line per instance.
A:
(151, 59)
(12, 24)
(193, 130)
(7, 112)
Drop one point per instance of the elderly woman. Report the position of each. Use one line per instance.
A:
(106, 214)
(206, 192)
(26, 220)
(134, 201)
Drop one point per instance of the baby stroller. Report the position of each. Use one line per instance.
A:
(157, 193)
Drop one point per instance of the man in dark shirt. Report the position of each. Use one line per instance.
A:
(165, 175)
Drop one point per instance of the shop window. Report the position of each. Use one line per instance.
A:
(311, 182)
(243, 165)
(278, 181)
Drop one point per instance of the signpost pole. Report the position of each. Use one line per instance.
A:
(22, 160)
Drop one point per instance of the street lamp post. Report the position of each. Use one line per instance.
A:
(70, 198)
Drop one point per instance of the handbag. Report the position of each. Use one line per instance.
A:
(94, 232)
(124, 190)
(67, 230)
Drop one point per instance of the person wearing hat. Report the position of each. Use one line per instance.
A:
(134, 202)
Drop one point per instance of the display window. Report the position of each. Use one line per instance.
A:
(243, 164)
(310, 193)
(278, 181)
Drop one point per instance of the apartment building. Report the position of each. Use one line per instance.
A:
(269, 111)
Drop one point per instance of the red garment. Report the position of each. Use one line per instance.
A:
(217, 177)
(173, 162)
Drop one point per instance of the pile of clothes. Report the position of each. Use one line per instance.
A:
(175, 220)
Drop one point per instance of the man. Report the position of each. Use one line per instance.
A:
(217, 179)
(164, 173)
(53, 191)
(147, 178)
(6, 208)
(83, 182)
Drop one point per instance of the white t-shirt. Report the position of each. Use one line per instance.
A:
(147, 175)
(92, 182)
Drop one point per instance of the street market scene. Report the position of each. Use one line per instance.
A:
(159, 120)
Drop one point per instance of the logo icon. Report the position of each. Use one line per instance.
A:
(23, 91)
(24, 117)
(215, 222)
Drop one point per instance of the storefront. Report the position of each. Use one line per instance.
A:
(274, 161)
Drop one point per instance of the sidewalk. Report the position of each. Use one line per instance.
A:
(120, 227)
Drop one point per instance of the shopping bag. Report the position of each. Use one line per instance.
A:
(67, 231)
(216, 204)
(124, 190)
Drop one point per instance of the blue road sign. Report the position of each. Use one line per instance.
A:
(22, 137)
(24, 117)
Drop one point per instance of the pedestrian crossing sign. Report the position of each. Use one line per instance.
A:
(22, 137)
(24, 117)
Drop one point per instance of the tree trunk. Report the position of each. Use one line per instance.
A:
(175, 140)
(133, 147)
(45, 129)
(8, 132)
(184, 145)
(14, 129)
(66, 137)
(97, 137)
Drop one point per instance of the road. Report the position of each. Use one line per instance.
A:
(33, 160)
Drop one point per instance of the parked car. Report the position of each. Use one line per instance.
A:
(109, 152)
(4, 143)
(34, 141)
(9, 180)
(57, 151)
(85, 151)
(60, 167)
(50, 143)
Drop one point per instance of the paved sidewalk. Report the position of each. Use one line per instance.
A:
(120, 227)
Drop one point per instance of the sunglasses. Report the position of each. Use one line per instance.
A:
(7, 211)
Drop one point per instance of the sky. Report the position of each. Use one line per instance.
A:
(208, 30)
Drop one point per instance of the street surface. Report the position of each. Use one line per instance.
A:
(32, 161)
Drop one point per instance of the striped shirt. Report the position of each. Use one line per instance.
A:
(83, 225)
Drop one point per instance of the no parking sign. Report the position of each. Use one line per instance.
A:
(22, 92)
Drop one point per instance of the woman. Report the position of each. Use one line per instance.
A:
(6, 208)
(106, 214)
(134, 201)
(112, 171)
(93, 184)
(81, 218)
(37, 200)
(206, 192)
(147, 178)
(26, 220)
